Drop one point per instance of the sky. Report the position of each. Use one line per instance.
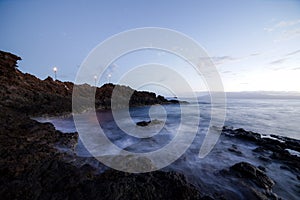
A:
(255, 45)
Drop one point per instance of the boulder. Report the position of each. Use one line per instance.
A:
(248, 171)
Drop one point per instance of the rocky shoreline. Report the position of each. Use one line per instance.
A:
(33, 167)
(29, 95)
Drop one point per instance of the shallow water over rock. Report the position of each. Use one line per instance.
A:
(234, 146)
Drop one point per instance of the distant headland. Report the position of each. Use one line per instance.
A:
(33, 96)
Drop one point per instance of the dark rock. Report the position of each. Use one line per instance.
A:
(264, 159)
(285, 167)
(8, 59)
(235, 151)
(143, 123)
(246, 170)
(146, 123)
(259, 149)
(32, 167)
(271, 195)
(246, 135)
(174, 101)
(262, 168)
(32, 96)
(155, 185)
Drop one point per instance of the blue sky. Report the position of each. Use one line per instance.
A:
(255, 45)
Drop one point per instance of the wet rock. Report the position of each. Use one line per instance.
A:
(32, 168)
(241, 134)
(264, 159)
(32, 165)
(262, 168)
(146, 123)
(247, 135)
(143, 123)
(235, 150)
(155, 185)
(271, 195)
(259, 149)
(281, 148)
(246, 170)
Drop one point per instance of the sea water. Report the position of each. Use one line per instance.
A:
(265, 116)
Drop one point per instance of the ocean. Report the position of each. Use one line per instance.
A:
(264, 116)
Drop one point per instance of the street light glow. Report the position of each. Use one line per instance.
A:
(55, 70)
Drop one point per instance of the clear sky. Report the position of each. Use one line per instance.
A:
(254, 44)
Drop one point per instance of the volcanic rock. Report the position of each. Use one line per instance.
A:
(246, 170)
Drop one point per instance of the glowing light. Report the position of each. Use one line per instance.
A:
(95, 79)
(55, 70)
(109, 76)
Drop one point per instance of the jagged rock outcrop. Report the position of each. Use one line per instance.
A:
(9, 63)
(32, 96)
(252, 173)
(278, 147)
(32, 167)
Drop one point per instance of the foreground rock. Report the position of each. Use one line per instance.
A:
(270, 148)
(38, 162)
(252, 173)
(31, 167)
(35, 159)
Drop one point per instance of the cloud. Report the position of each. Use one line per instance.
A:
(296, 68)
(293, 53)
(288, 29)
(255, 54)
(290, 34)
(283, 24)
(219, 60)
(268, 29)
(283, 59)
(286, 23)
(226, 72)
(278, 61)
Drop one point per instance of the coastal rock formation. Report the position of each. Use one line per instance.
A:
(38, 162)
(35, 159)
(9, 64)
(146, 123)
(32, 96)
(29, 95)
(278, 147)
(136, 98)
(250, 172)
